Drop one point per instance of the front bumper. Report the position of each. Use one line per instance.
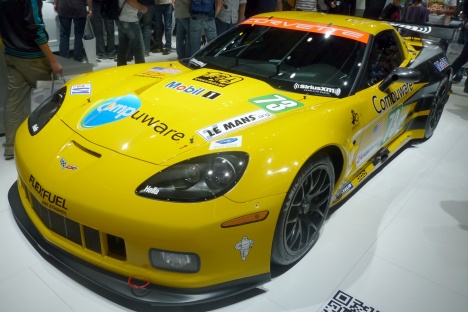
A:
(116, 287)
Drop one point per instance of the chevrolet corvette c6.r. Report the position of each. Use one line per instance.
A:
(181, 182)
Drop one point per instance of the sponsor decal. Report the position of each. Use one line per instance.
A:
(420, 29)
(80, 89)
(441, 64)
(184, 88)
(197, 62)
(367, 153)
(310, 27)
(276, 103)
(111, 110)
(244, 247)
(377, 130)
(158, 72)
(361, 175)
(218, 79)
(65, 165)
(49, 199)
(393, 124)
(157, 125)
(151, 190)
(318, 89)
(226, 143)
(178, 86)
(233, 124)
(211, 95)
(345, 189)
(166, 70)
(354, 119)
(388, 101)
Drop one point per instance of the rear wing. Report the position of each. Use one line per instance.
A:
(438, 31)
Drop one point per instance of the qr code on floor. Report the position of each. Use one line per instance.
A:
(342, 302)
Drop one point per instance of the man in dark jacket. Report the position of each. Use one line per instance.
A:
(28, 59)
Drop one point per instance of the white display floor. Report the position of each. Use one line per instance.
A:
(400, 244)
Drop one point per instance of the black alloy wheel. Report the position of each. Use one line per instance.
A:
(304, 211)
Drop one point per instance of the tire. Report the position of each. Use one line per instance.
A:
(437, 107)
(304, 211)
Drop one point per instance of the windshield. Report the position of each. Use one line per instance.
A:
(289, 59)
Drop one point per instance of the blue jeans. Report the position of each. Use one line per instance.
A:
(130, 39)
(163, 19)
(222, 26)
(183, 37)
(146, 22)
(197, 23)
(99, 25)
(65, 30)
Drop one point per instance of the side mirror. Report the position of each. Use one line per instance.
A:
(400, 74)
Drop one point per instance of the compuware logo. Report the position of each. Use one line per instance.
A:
(111, 110)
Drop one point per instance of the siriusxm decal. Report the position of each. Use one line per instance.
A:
(111, 110)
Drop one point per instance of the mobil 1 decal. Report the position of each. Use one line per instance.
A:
(192, 90)
(233, 124)
(219, 79)
(275, 103)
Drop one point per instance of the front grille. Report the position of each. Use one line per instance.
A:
(85, 236)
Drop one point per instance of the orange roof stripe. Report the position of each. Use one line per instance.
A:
(310, 27)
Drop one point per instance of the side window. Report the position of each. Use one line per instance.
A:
(385, 55)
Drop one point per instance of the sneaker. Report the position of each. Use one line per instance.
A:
(166, 51)
(112, 55)
(9, 157)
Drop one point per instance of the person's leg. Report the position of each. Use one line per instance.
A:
(167, 16)
(195, 33)
(98, 30)
(182, 37)
(210, 29)
(109, 25)
(22, 76)
(135, 38)
(65, 29)
(158, 27)
(221, 26)
(79, 27)
(147, 29)
(123, 43)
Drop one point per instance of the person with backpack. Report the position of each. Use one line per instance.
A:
(130, 34)
(202, 18)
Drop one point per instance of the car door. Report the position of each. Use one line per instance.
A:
(384, 114)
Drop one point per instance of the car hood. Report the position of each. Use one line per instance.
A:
(157, 119)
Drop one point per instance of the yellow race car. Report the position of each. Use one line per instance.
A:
(181, 182)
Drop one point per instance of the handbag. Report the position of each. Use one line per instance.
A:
(89, 43)
(44, 89)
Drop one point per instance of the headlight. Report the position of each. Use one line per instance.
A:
(44, 112)
(197, 179)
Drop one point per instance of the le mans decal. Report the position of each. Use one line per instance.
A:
(219, 79)
(275, 103)
(110, 110)
(233, 124)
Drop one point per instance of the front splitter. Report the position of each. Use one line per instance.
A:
(114, 286)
